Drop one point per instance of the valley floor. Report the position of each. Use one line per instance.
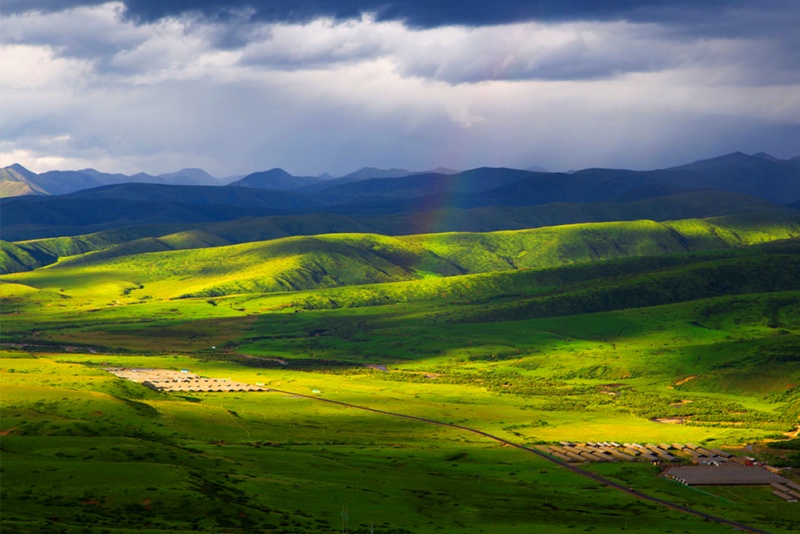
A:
(697, 348)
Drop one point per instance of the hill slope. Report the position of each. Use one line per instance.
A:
(332, 260)
(16, 180)
(23, 221)
(119, 206)
(759, 176)
(14, 259)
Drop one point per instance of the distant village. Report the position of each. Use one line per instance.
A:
(712, 467)
(169, 381)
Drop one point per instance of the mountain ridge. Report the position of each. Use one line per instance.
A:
(125, 204)
(713, 172)
(58, 182)
(331, 260)
(33, 217)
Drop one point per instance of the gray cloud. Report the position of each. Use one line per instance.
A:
(233, 92)
(428, 13)
(759, 40)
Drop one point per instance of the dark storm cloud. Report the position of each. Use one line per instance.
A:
(419, 13)
(314, 85)
(237, 21)
(432, 13)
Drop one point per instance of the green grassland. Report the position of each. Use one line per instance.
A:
(554, 245)
(589, 332)
(113, 455)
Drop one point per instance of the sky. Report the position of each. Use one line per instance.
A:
(315, 86)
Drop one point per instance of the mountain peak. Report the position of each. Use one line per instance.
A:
(365, 173)
(720, 162)
(764, 155)
(733, 156)
(441, 170)
(19, 168)
(16, 180)
(276, 178)
(189, 175)
(188, 171)
(277, 171)
(537, 168)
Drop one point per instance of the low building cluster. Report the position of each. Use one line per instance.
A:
(712, 467)
(786, 490)
(610, 451)
(166, 380)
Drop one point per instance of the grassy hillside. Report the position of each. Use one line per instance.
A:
(755, 275)
(177, 241)
(602, 286)
(15, 259)
(580, 243)
(486, 219)
(494, 296)
(243, 230)
(301, 263)
(278, 265)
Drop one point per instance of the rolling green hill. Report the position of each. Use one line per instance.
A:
(708, 279)
(243, 230)
(15, 259)
(301, 263)
(592, 287)
(487, 219)
(278, 265)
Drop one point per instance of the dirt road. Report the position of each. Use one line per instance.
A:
(602, 480)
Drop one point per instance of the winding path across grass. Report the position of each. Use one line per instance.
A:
(574, 469)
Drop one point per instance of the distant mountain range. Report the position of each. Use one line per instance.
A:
(16, 180)
(281, 180)
(484, 198)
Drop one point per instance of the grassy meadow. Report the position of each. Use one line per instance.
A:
(596, 332)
